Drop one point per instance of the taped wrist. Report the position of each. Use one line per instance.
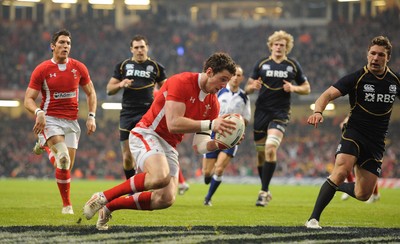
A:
(206, 125)
(200, 141)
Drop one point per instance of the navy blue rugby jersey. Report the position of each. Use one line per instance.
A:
(145, 75)
(271, 95)
(371, 100)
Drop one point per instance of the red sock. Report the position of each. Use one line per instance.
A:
(139, 201)
(63, 178)
(51, 155)
(350, 177)
(181, 179)
(131, 185)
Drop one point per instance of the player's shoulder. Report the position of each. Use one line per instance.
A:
(155, 62)
(44, 66)
(263, 60)
(76, 62)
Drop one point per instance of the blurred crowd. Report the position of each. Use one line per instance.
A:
(325, 52)
(304, 152)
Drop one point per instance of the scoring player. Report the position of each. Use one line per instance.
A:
(186, 103)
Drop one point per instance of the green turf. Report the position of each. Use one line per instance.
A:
(37, 202)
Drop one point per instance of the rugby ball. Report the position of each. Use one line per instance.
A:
(230, 140)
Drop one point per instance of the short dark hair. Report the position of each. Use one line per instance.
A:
(219, 62)
(139, 38)
(59, 33)
(382, 41)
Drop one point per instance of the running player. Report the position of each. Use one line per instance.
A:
(56, 125)
(274, 76)
(372, 91)
(137, 76)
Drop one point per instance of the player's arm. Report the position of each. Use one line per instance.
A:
(91, 99)
(178, 123)
(253, 85)
(30, 105)
(159, 84)
(114, 85)
(320, 104)
(303, 89)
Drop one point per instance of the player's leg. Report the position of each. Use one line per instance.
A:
(343, 164)
(159, 198)
(208, 165)
(182, 185)
(64, 160)
(350, 178)
(128, 163)
(375, 195)
(272, 143)
(365, 183)
(153, 174)
(220, 165)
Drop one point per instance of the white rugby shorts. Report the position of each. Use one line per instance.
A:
(148, 143)
(56, 126)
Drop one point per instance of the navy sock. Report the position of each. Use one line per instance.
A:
(213, 188)
(129, 173)
(326, 193)
(347, 187)
(260, 172)
(267, 173)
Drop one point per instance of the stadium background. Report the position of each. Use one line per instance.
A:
(330, 40)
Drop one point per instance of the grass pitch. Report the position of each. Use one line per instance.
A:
(30, 212)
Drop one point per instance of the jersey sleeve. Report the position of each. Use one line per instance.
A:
(346, 83)
(118, 71)
(255, 71)
(85, 77)
(300, 76)
(37, 78)
(247, 111)
(162, 75)
(177, 91)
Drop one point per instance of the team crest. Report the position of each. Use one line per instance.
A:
(150, 68)
(289, 69)
(393, 89)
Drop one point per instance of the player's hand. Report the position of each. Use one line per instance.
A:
(222, 126)
(40, 123)
(287, 86)
(91, 125)
(125, 83)
(314, 119)
(257, 84)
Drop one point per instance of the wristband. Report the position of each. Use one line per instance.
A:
(92, 115)
(205, 125)
(317, 112)
(38, 110)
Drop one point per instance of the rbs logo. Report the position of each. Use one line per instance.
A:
(138, 73)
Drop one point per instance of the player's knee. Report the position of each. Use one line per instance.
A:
(260, 147)
(63, 160)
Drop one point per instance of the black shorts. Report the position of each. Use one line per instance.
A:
(369, 154)
(128, 120)
(264, 120)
